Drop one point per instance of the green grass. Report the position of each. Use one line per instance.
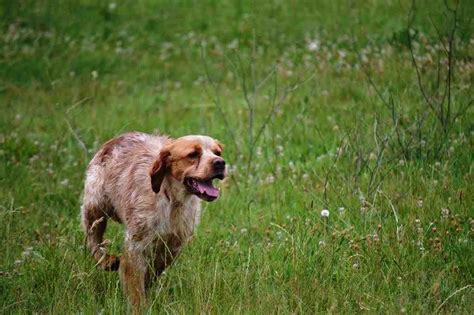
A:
(76, 73)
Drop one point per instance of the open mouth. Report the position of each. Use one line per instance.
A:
(203, 188)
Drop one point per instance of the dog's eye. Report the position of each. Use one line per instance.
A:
(193, 155)
(218, 153)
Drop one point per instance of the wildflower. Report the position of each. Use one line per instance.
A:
(314, 45)
(445, 213)
(95, 75)
(270, 179)
(325, 213)
(321, 243)
(419, 203)
(112, 6)
(234, 44)
(305, 176)
(342, 54)
(27, 251)
(279, 234)
(376, 237)
(341, 210)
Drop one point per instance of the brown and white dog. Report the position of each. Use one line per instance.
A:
(153, 185)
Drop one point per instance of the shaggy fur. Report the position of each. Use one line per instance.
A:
(153, 185)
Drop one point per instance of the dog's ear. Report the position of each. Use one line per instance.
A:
(158, 170)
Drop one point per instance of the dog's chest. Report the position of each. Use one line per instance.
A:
(174, 220)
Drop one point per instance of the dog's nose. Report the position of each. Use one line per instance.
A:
(219, 165)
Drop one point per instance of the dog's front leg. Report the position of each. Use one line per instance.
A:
(132, 274)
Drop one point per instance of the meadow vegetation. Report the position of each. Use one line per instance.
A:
(361, 108)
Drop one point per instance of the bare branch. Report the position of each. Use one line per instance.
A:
(217, 101)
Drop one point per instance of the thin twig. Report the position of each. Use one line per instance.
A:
(217, 102)
(78, 139)
(453, 294)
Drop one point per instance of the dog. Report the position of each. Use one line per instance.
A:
(154, 186)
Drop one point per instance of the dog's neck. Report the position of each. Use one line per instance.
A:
(184, 208)
(175, 193)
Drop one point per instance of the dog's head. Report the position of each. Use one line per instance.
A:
(192, 161)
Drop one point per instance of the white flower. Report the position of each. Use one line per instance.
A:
(112, 6)
(342, 210)
(27, 252)
(376, 237)
(234, 44)
(419, 203)
(342, 54)
(94, 74)
(270, 179)
(325, 213)
(313, 45)
(445, 213)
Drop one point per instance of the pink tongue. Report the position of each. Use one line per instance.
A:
(208, 189)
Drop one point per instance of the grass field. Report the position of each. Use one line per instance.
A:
(319, 106)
